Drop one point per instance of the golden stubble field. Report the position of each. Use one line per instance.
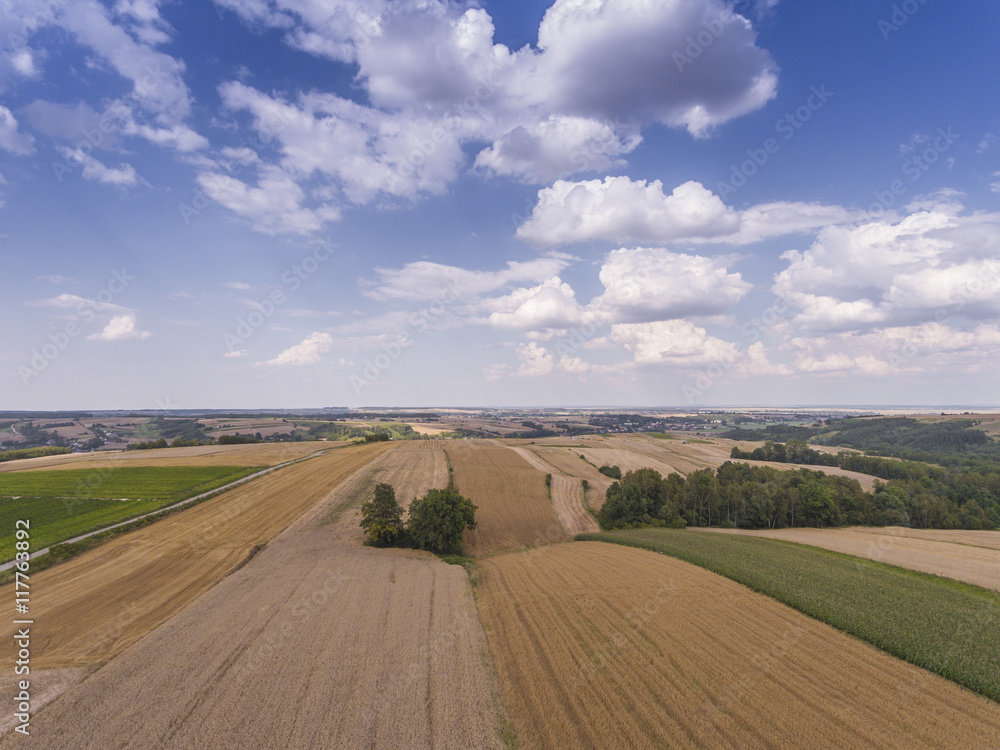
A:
(316, 642)
(253, 454)
(602, 646)
(968, 556)
(513, 508)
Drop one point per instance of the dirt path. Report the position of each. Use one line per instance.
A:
(566, 494)
(603, 646)
(316, 643)
(979, 566)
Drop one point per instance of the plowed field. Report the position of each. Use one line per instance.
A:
(603, 646)
(951, 559)
(514, 510)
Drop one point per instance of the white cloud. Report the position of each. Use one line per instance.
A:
(123, 174)
(677, 343)
(239, 285)
(651, 284)
(11, 138)
(157, 78)
(272, 206)
(620, 209)
(424, 281)
(81, 303)
(929, 263)
(308, 352)
(534, 359)
(235, 354)
(120, 328)
(551, 304)
(555, 147)
(436, 82)
(756, 363)
(620, 58)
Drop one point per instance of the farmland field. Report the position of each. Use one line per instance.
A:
(514, 510)
(941, 555)
(946, 627)
(607, 646)
(63, 504)
(327, 644)
(566, 494)
(97, 604)
(254, 454)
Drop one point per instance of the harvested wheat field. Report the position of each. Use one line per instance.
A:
(95, 605)
(254, 454)
(514, 510)
(567, 461)
(411, 467)
(566, 494)
(987, 539)
(313, 644)
(602, 646)
(979, 566)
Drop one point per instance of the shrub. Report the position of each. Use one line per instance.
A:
(611, 471)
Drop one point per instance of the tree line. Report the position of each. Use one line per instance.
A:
(740, 495)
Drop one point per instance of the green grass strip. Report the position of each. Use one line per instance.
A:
(946, 627)
(138, 482)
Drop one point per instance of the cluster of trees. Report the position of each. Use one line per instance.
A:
(611, 471)
(931, 496)
(746, 496)
(435, 521)
(239, 439)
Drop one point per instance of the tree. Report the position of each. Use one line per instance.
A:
(438, 519)
(382, 518)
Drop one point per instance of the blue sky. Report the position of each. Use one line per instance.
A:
(284, 203)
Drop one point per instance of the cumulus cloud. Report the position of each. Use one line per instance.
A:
(622, 58)
(235, 354)
(620, 209)
(534, 359)
(436, 82)
(120, 328)
(651, 284)
(932, 262)
(308, 352)
(557, 146)
(551, 304)
(677, 343)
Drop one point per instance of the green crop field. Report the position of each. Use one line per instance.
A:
(139, 482)
(949, 628)
(64, 504)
